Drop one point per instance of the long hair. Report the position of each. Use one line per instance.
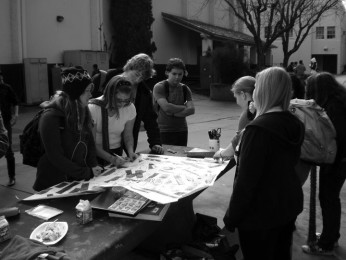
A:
(273, 88)
(77, 117)
(322, 87)
(117, 84)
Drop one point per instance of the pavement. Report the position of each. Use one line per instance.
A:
(214, 200)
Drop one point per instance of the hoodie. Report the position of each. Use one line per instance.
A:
(69, 154)
(267, 192)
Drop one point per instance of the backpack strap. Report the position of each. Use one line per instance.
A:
(166, 84)
(104, 116)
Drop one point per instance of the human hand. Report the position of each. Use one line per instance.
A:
(133, 156)
(117, 160)
(96, 170)
(157, 149)
(216, 155)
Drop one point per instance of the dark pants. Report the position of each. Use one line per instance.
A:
(268, 244)
(9, 154)
(332, 179)
(174, 138)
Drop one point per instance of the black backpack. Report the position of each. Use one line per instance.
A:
(31, 146)
(30, 142)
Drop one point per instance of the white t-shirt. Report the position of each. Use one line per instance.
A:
(115, 125)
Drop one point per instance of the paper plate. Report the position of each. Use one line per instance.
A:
(61, 227)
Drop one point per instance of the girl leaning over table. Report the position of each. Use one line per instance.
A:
(114, 116)
(267, 195)
(65, 129)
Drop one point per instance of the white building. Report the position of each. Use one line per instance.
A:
(326, 42)
(37, 34)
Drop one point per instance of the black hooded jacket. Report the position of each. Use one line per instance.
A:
(267, 191)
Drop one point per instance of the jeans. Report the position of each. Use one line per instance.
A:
(268, 244)
(174, 138)
(332, 179)
(11, 163)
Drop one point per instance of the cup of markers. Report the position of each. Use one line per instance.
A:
(214, 139)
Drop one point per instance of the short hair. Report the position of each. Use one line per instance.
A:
(175, 63)
(117, 84)
(273, 88)
(141, 63)
(244, 84)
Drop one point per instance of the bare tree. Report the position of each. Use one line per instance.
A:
(278, 18)
(303, 15)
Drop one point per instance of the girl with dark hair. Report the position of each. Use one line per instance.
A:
(120, 113)
(330, 95)
(65, 129)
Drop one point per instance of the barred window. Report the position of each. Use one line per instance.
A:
(330, 32)
(319, 32)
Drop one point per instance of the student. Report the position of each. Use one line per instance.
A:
(267, 194)
(330, 95)
(3, 138)
(9, 110)
(313, 66)
(175, 102)
(65, 129)
(242, 90)
(137, 70)
(121, 115)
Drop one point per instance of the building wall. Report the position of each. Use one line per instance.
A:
(6, 33)
(174, 40)
(30, 29)
(312, 46)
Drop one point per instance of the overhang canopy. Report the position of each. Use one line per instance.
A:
(214, 32)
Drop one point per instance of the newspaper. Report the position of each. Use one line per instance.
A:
(160, 178)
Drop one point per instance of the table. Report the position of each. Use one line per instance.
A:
(106, 237)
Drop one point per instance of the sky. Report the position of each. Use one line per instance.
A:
(344, 2)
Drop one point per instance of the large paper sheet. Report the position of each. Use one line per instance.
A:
(160, 178)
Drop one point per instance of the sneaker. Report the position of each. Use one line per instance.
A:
(316, 250)
(11, 182)
(336, 243)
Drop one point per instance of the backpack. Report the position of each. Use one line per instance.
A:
(30, 143)
(166, 85)
(319, 145)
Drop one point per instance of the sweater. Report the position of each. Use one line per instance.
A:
(267, 192)
(69, 155)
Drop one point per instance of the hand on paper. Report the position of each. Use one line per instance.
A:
(97, 170)
(157, 149)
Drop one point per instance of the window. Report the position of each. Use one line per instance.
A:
(319, 32)
(267, 30)
(330, 32)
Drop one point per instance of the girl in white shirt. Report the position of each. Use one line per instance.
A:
(121, 114)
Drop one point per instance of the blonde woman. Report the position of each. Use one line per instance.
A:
(267, 194)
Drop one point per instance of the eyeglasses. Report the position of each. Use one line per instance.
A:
(126, 102)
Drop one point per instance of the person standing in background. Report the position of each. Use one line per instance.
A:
(9, 111)
(95, 70)
(175, 102)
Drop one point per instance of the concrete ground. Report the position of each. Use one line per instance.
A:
(213, 201)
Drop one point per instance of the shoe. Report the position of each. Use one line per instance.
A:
(11, 182)
(316, 250)
(318, 236)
